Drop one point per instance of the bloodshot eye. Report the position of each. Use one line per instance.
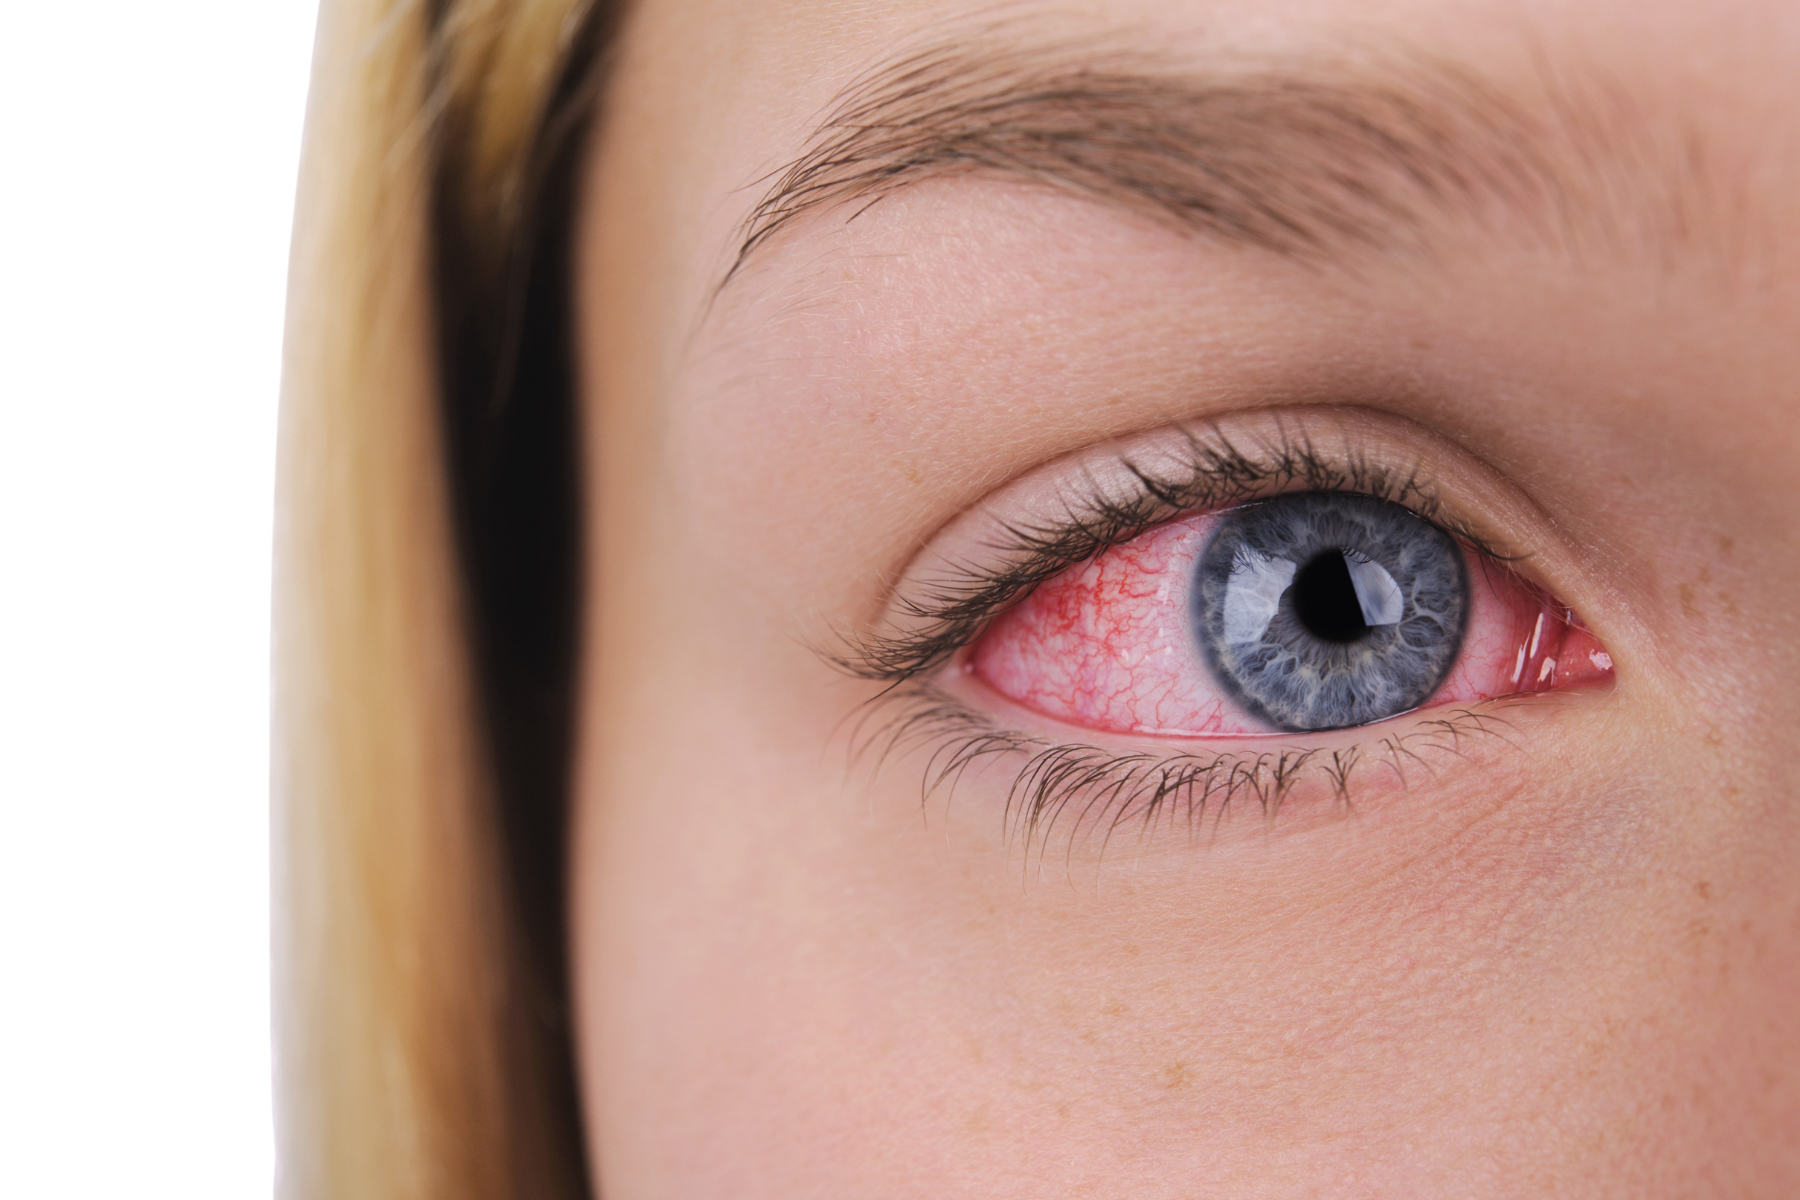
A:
(1321, 611)
(1297, 614)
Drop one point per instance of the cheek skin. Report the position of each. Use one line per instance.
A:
(1108, 644)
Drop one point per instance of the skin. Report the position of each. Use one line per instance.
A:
(1561, 962)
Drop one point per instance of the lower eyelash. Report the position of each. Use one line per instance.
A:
(1089, 789)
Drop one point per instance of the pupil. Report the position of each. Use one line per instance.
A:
(1325, 599)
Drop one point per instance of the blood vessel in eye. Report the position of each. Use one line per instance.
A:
(1109, 644)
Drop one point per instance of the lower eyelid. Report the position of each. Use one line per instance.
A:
(1086, 794)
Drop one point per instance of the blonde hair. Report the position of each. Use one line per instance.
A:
(412, 1060)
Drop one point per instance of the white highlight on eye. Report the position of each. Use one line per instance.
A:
(1601, 659)
(1376, 591)
(1253, 594)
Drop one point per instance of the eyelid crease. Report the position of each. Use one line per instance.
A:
(1207, 469)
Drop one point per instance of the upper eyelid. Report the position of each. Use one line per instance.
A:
(931, 613)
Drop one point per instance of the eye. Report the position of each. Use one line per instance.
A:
(1299, 613)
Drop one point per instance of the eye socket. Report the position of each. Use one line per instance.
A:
(1295, 614)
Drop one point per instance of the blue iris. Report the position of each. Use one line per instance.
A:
(1324, 610)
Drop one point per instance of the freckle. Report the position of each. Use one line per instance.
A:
(1686, 594)
(1703, 889)
(1725, 544)
(979, 1121)
(1175, 1076)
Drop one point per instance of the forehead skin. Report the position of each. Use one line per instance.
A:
(1564, 968)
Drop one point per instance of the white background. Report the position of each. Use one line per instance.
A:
(147, 161)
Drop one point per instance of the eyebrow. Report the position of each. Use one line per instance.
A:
(1310, 164)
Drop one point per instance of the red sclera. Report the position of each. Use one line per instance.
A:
(1109, 644)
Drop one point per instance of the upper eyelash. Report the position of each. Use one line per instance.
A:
(1213, 472)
